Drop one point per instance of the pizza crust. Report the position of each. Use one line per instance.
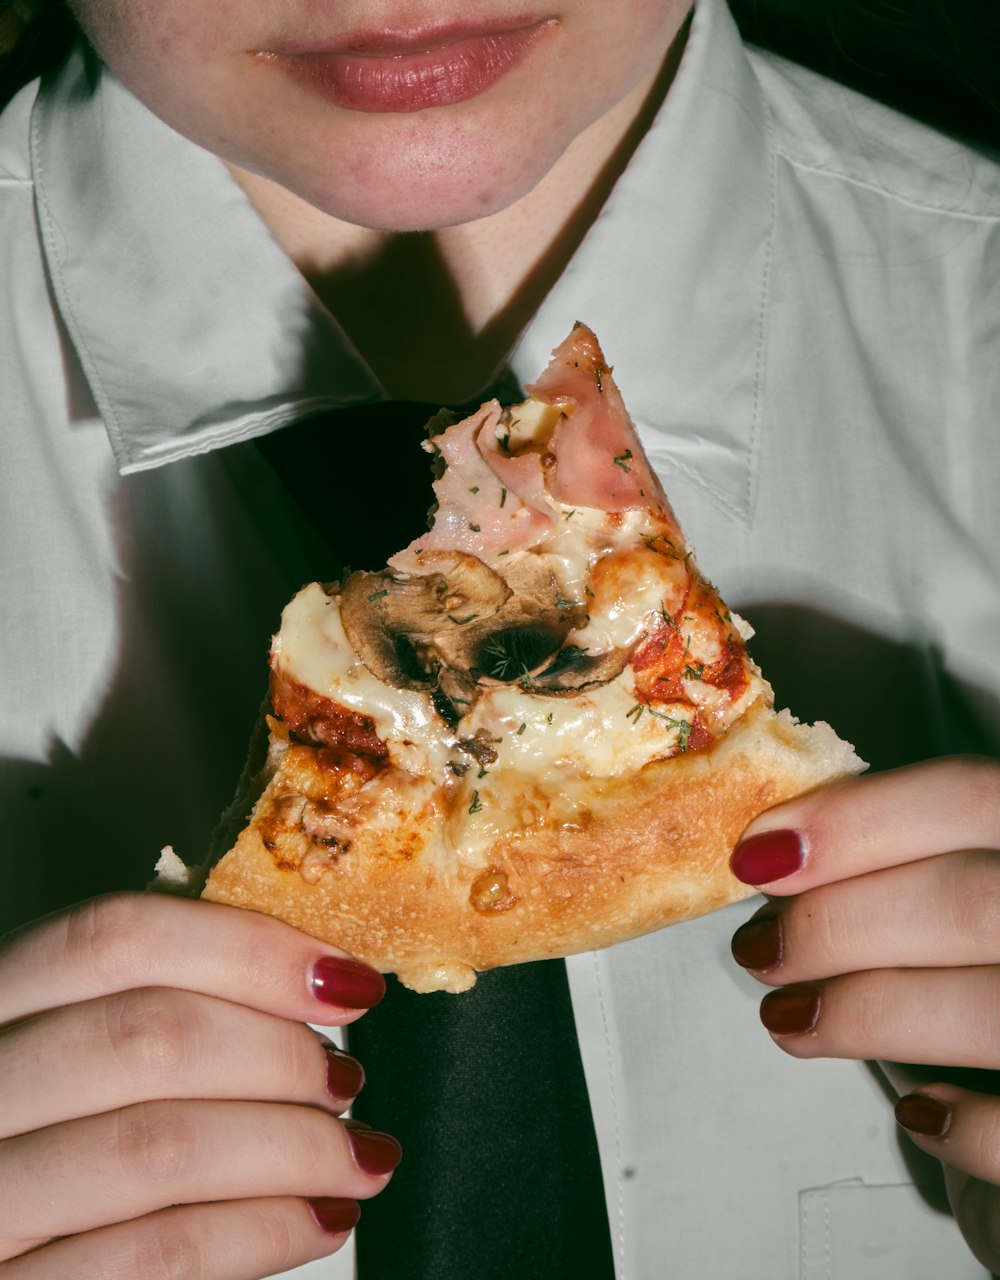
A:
(615, 858)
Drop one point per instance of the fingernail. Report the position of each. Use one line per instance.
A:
(345, 1076)
(770, 856)
(759, 943)
(334, 1216)
(792, 1011)
(375, 1153)
(349, 984)
(925, 1115)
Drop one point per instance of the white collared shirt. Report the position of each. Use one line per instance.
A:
(800, 294)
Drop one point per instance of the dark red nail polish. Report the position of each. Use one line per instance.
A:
(349, 984)
(375, 1153)
(345, 1076)
(770, 856)
(334, 1216)
(924, 1115)
(792, 1011)
(759, 943)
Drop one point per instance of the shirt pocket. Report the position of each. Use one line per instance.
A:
(852, 1231)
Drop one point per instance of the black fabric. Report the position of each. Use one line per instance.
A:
(500, 1176)
(485, 1090)
(361, 477)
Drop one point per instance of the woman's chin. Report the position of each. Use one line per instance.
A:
(405, 193)
(425, 208)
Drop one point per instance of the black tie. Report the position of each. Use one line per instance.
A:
(485, 1090)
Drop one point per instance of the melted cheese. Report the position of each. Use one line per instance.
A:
(598, 733)
(313, 649)
(581, 536)
(627, 590)
(531, 422)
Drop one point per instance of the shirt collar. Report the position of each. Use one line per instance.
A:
(157, 259)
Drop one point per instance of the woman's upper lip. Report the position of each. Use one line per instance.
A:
(398, 42)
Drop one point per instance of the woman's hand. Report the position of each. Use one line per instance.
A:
(890, 949)
(164, 1109)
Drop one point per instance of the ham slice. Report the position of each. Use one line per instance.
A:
(496, 497)
(521, 474)
(599, 461)
(476, 510)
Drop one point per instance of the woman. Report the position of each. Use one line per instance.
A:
(792, 284)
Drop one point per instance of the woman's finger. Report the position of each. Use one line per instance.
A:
(943, 1017)
(234, 1240)
(150, 940)
(960, 1127)
(940, 911)
(867, 823)
(157, 1042)
(91, 1173)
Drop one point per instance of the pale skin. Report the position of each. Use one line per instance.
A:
(154, 1054)
(482, 202)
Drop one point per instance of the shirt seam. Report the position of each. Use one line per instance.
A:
(757, 422)
(924, 206)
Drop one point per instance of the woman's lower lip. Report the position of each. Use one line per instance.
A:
(381, 80)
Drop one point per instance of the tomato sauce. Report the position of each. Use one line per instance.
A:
(316, 719)
(663, 664)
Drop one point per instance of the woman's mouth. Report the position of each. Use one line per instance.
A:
(395, 71)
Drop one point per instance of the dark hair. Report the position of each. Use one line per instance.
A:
(34, 36)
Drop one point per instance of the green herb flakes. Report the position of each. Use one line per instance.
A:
(683, 727)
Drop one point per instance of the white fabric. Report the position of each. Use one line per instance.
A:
(800, 293)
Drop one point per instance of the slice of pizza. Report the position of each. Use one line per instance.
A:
(537, 731)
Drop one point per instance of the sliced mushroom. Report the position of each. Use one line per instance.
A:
(530, 628)
(575, 669)
(481, 747)
(511, 654)
(454, 590)
(458, 690)
(403, 627)
(388, 654)
(538, 594)
(459, 625)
